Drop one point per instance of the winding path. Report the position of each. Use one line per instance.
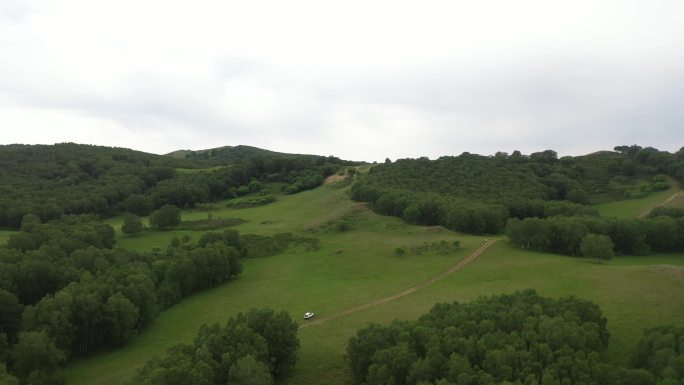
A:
(404, 293)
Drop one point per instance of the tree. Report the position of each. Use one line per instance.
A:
(132, 224)
(597, 246)
(167, 216)
(120, 318)
(10, 314)
(37, 356)
(29, 221)
(137, 204)
(280, 332)
(248, 371)
(6, 378)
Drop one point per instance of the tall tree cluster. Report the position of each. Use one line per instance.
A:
(508, 339)
(564, 235)
(253, 348)
(65, 291)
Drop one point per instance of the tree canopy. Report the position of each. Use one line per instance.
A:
(252, 348)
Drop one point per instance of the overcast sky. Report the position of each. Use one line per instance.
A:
(361, 80)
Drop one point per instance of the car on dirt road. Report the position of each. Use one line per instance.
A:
(308, 315)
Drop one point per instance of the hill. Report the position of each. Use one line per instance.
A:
(69, 178)
(477, 194)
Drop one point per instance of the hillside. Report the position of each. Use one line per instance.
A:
(477, 194)
(69, 178)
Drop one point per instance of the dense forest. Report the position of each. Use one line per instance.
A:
(510, 339)
(477, 194)
(67, 178)
(66, 290)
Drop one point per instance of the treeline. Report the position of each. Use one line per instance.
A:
(67, 178)
(473, 217)
(253, 348)
(509, 339)
(65, 291)
(564, 235)
(477, 194)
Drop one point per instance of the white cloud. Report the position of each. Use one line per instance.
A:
(362, 80)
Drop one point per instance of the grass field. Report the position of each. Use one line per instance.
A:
(631, 208)
(360, 265)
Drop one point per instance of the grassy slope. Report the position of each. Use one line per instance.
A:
(633, 292)
(323, 281)
(631, 208)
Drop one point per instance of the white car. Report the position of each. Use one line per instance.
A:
(308, 315)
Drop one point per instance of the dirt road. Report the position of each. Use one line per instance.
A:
(664, 203)
(404, 293)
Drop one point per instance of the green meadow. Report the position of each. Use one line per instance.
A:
(360, 265)
(630, 208)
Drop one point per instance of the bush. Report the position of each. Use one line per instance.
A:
(167, 216)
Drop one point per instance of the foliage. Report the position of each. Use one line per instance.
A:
(674, 212)
(251, 201)
(477, 194)
(82, 294)
(630, 236)
(597, 246)
(440, 248)
(250, 348)
(264, 246)
(167, 216)
(660, 353)
(5, 377)
(131, 224)
(68, 178)
(209, 224)
(36, 357)
(517, 338)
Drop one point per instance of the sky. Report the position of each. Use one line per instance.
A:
(362, 80)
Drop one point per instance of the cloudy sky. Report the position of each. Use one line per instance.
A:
(362, 80)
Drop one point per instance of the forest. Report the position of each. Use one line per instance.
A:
(539, 201)
(66, 290)
(68, 178)
(478, 194)
(253, 348)
(521, 338)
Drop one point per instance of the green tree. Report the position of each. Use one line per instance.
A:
(29, 222)
(597, 246)
(137, 204)
(167, 216)
(6, 378)
(10, 314)
(120, 318)
(280, 332)
(248, 371)
(132, 224)
(37, 356)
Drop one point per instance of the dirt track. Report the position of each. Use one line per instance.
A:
(664, 203)
(404, 293)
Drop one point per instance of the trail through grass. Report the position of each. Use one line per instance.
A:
(360, 266)
(632, 208)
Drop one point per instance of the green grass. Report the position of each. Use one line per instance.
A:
(351, 268)
(360, 265)
(631, 208)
